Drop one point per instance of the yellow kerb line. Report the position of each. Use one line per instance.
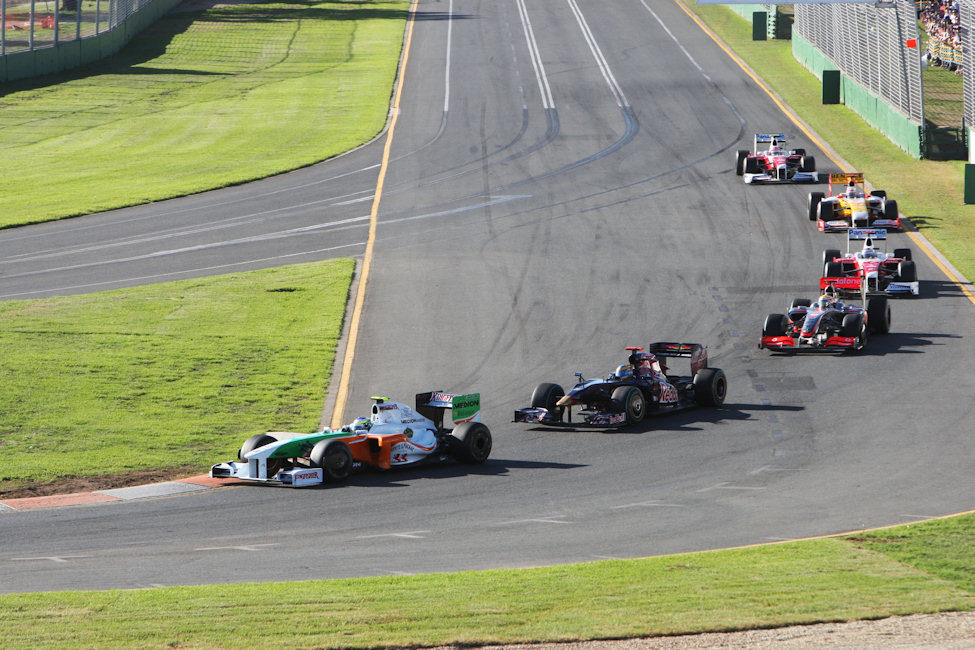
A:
(741, 64)
(343, 391)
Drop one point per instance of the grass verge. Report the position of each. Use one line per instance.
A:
(799, 582)
(930, 192)
(198, 101)
(169, 375)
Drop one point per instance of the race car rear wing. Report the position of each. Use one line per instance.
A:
(867, 233)
(765, 138)
(697, 353)
(845, 178)
(463, 408)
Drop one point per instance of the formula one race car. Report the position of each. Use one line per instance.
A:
(777, 164)
(852, 208)
(825, 325)
(394, 436)
(872, 269)
(626, 396)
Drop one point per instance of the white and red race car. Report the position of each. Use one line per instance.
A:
(776, 164)
(852, 208)
(871, 269)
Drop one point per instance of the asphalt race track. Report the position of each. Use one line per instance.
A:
(560, 185)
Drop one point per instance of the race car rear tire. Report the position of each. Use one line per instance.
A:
(800, 302)
(807, 164)
(334, 457)
(890, 209)
(878, 315)
(907, 271)
(830, 255)
(752, 166)
(630, 400)
(547, 396)
(813, 204)
(903, 253)
(474, 442)
(710, 387)
(775, 325)
(740, 161)
(833, 270)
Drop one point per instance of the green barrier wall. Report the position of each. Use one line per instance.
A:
(897, 127)
(21, 65)
(747, 11)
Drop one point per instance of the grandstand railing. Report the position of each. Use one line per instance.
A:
(867, 43)
(29, 25)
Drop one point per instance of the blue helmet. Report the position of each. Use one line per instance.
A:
(361, 423)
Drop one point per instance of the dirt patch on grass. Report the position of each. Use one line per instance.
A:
(73, 484)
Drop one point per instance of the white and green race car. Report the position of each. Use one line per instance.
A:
(394, 435)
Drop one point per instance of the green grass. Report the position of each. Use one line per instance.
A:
(930, 192)
(768, 586)
(170, 375)
(199, 101)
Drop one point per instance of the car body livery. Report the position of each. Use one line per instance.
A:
(825, 325)
(394, 435)
(776, 164)
(851, 208)
(872, 269)
(632, 391)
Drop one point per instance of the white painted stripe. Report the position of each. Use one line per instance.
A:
(536, 58)
(446, 83)
(598, 54)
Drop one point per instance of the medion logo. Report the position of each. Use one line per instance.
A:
(466, 404)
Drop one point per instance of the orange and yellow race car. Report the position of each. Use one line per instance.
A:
(852, 208)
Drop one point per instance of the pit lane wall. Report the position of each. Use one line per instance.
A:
(900, 129)
(49, 58)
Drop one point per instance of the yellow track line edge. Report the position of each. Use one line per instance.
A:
(916, 237)
(360, 297)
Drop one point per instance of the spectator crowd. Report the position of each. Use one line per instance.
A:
(940, 21)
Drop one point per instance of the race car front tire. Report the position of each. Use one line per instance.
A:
(812, 204)
(878, 315)
(903, 253)
(252, 443)
(833, 270)
(775, 325)
(547, 396)
(259, 440)
(881, 193)
(807, 164)
(890, 209)
(825, 211)
(710, 387)
(831, 254)
(334, 457)
(630, 400)
(906, 271)
(473, 442)
(752, 166)
(740, 161)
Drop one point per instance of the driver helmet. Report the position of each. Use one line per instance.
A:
(851, 190)
(825, 301)
(361, 423)
(624, 371)
(869, 252)
(775, 145)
